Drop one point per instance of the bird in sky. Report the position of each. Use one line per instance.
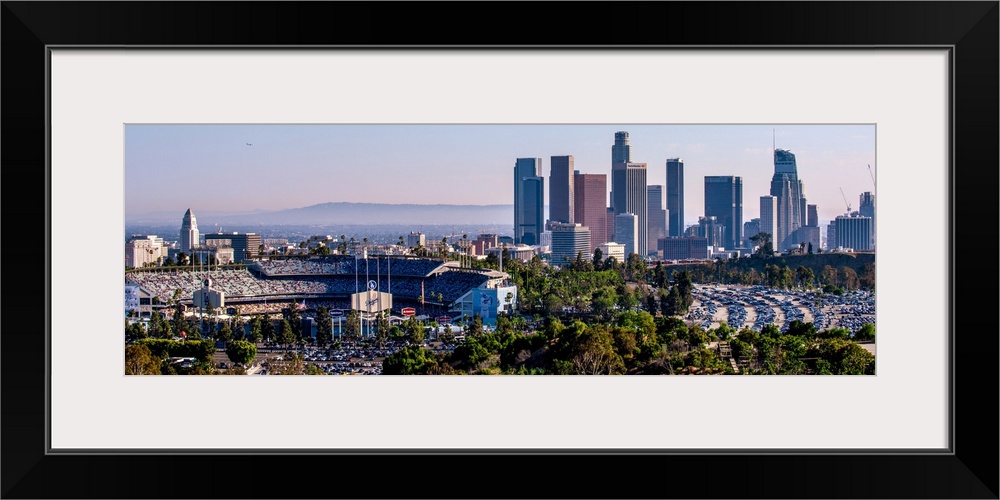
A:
(248, 144)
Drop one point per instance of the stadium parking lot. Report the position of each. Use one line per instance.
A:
(714, 304)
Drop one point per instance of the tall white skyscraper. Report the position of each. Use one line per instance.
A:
(189, 232)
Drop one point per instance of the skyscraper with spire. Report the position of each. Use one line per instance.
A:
(628, 189)
(787, 188)
(189, 232)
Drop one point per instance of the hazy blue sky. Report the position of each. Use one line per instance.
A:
(210, 168)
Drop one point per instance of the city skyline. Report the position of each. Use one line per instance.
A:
(243, 168)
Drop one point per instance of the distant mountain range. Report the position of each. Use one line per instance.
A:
(349, 213)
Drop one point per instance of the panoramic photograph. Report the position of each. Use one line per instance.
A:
(466, 249)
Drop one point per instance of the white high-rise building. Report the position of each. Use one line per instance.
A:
(141, 251)
(189, 232)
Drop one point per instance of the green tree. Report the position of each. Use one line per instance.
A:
(843, 357)
(352, 326)
(475, 328)
(829, 275)
(602, 302)
(238, 325)
(267, 329)
(627, 299)
(324, 326)
(381, 329)
(411, 360)
(312, 369)
(241, 352)
(256, 329)
(287, 335)
(659, 275)
(595, 353)
(762, 241)
(848, 278)
(294, 318)
(139, 360)
(159, 327)
(866, 332)
(867, 277)
(225, 333)
(697, 337)
(135, 331)
(804, 276)
(598, 260)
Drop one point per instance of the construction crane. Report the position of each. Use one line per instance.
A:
(872, 174)
(845, 201)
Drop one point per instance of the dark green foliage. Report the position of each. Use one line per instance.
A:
(324, 326)
(287, 335)
(866, 332)
(843, 357)
(241, 351)
(167, 348)
(409, 361)
(267, 329)
(294, 318)
(827, 269)
(135, 331)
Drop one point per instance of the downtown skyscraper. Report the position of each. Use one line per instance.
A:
(529, 201)
(724, 201)
(590, 206)
(657, 216)
(628, 189)
(628, 196)
(561, 193)
(675, 197)
(621, 151)
(768, 217)
(867, 209)
(786, 187)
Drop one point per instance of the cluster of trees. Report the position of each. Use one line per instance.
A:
(803, 350)
(789, 272)
(635, 342)
(589, 288)
(151, 356)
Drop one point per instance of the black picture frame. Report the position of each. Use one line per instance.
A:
(969, 471)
